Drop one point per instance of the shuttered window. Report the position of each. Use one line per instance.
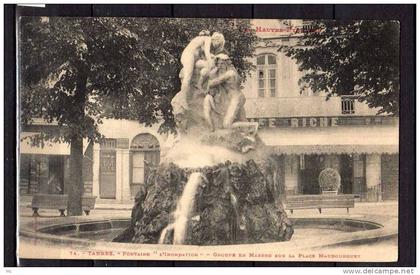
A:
(267, 75)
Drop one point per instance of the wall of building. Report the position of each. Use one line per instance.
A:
(128, 129)
(287, 73)
(302, 106)
(291, 98)
(123, 132)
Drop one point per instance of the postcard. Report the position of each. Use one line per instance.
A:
(208, 139)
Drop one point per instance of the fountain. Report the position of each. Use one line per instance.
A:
(183, 210)
(213, 186)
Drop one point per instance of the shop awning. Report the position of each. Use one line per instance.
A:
(50, 148)
(333, 140)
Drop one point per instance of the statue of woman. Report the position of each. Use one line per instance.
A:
(198, 46)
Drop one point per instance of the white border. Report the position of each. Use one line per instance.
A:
(180, 270)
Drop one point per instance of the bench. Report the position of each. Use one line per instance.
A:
(319, 202)
(49, 201)
(59, 202)
(88, 203)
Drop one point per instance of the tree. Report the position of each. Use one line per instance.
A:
(352, 58)
(76, 72)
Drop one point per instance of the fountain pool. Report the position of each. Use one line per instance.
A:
(309, 232)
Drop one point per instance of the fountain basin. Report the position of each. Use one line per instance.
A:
(309, 232)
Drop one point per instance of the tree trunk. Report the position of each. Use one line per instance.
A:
(76, 186)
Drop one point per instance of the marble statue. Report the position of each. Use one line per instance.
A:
(198, 48)
(210, 104)
(228, 79)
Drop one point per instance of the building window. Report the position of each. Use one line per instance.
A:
(347, 105)
(267, 72)
(307, 26)
(145, 154)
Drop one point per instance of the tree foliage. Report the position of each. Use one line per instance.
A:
(78, 71)
(130, 66)
(352, 58)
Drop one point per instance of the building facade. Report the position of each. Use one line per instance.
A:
(305, 133)
(309, 133)
(113, 171)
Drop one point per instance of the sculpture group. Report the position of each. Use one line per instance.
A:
(210, 86)
(210, 192)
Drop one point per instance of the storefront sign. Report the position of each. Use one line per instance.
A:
(323, 122)
(297, 122)
(313, 122)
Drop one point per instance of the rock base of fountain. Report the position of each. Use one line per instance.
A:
(233, 205)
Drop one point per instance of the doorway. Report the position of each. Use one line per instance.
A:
(145, 154)
(346, 173)
(107, 170)
(310, 167)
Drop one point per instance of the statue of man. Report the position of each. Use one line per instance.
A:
(198, 46)
(208, 102)
(228, 78)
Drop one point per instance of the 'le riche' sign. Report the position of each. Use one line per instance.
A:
(301, 122)
(323, 122)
